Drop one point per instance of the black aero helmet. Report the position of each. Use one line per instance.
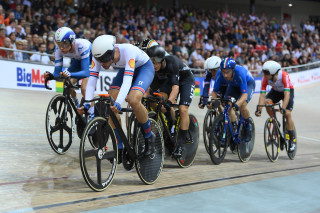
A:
(156, 53)
(148, 43)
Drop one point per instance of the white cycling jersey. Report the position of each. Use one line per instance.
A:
(81, 51)
(131, 57)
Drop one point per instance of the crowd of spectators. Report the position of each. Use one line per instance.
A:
(191, 34)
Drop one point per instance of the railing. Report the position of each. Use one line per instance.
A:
(198, 72)
(28, 52)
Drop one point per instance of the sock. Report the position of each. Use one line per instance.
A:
(291, 133)
(246, 122)
(183, 134)
(147, 129)
(120, 145)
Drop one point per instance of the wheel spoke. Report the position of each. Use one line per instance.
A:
(109, 155)
(55, 128)
(90, 153)
(99, 170)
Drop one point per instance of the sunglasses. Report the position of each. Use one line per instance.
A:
(156, 60)
(214, 70)
(64, 44)
(106, 57)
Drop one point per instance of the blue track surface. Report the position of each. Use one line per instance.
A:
(296, 193)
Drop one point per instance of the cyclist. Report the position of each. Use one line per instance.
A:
(241, 86)
(282, 89)
(211, 65)
(134, 77)
(79, 50)
(148, 43)
(174, 77)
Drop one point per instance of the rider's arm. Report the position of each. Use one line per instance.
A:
(241, 77)
(92, 82)
(262, 96)
(206, 87)
(174, 93)
(175, 78)
(84, 72)
(58, 62)
(286, 93)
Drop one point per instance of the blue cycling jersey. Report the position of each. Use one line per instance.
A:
(241, 78)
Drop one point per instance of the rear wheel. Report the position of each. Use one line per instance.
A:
(190, 149)
(98, 154)
(218, 140)
(60, 124)
(149, 167)
(245, 148)
(271, 140)
(291, 155)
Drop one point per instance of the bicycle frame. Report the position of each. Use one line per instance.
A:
(227, 123)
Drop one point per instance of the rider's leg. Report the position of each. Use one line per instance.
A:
(73, 92)
(84, 86)
(290, 123)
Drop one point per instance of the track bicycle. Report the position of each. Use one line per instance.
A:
(99, 150)
(62, 117)
(275, 139)
(223, 134)
(170, 130)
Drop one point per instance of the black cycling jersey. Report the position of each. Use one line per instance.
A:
(175, 73)
(175, 69)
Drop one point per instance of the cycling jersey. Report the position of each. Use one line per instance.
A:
(80, 59)
(133, 63)
(241, 76)
(175, 73)
(207, 82)
(282, 84)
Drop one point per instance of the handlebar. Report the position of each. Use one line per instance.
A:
(272, 105)
(157, 98)
(51, 77)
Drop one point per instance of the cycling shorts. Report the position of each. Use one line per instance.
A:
(276, 96)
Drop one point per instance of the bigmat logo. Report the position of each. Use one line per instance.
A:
(32, 78)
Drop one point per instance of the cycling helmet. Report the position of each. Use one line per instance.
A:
(103, 48)
(156, 53)
(147, 43)
(272, 67)
(212, 63)
(64, 36)
(228, 63)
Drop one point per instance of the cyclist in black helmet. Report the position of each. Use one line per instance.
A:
(173, 77)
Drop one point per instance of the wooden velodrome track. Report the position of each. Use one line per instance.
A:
(34, 178)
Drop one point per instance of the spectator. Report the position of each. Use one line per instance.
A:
(26, 56)
(9, 18)
(12, 37)
(6, 54)
(18, 55)
(2, 35)
(11, 27)
(43, 59)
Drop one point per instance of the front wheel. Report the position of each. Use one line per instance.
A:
(245, 148)
(149, 167)
(271, 140)
(207, 125)
(218, 140)
(98, 154)
(60, 124)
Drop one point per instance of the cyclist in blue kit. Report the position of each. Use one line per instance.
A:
(241, 86)
(79, 50)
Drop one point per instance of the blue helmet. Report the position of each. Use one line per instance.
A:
(64, 34)
(228, 63)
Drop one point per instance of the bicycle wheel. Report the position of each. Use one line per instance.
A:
(271, 140)
(291, 155)
(60, 126)
(149, 167)
(190, 149)
(207, 125)
(245, 148)
(218, 141)
(98, 161)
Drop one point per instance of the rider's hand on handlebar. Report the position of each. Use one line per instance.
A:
(283, 111)
(84, 109)
(116, 108)
(258, 113)
(65, 73)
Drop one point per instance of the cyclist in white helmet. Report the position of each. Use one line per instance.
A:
(282, 89)
(211, 65)
(132, 80)
(79, 50)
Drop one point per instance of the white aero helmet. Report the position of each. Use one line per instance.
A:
(212, 63)
(64, 34)
(272, 67)
(103, 48)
